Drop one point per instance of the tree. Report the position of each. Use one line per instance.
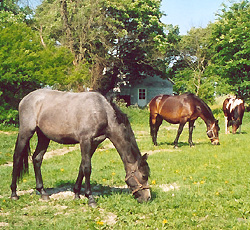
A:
(118, 40)
(231, 47)
(191, 61)
(25, 64)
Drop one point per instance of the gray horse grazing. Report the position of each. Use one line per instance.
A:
(69, 118)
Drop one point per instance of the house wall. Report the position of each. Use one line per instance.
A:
(153, 85)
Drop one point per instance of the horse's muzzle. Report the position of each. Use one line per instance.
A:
(215, 142)
(145, 196)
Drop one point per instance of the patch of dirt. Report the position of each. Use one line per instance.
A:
(60, 152)
(169, 187)
(50, 154)
(151, 152)
(109, 217)
(8, 133)
(3, 224)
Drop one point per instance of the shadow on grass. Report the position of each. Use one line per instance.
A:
(97, 189)
(181, 144)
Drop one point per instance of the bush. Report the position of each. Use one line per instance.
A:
(8, 117)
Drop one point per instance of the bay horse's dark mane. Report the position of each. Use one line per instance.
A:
(204, 104)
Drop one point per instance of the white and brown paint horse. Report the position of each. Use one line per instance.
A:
(233, 109)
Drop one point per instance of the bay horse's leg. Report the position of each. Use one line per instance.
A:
(155, 122)
(20, 159)
(181, 126)
(191, 128)
(37, 159)
(87, 151)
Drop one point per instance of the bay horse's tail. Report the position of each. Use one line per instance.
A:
(20, 159)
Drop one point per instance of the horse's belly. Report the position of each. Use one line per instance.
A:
(61, 137)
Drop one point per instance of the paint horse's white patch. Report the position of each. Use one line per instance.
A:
(233, 103)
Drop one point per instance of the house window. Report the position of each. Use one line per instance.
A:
(142, 94)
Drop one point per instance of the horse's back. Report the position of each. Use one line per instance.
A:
(178, 108)
(65, 115)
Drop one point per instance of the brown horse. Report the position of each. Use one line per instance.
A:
(70, 118)
(179, 110)
(233, 109)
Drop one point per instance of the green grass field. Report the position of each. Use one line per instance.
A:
(204, 187)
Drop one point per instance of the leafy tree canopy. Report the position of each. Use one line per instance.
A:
(119, 40)
(231, 47)
(25, 64)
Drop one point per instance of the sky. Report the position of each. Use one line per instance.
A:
(190, 13)
(185, 13)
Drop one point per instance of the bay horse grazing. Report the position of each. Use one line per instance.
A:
(233, 109)
(69, 118)
(180, 110)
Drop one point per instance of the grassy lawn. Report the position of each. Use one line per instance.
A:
(204, 187)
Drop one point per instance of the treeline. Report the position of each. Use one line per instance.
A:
(72, 45)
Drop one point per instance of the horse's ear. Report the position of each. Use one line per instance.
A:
(143, 160)
(144, 157)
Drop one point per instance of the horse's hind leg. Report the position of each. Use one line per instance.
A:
(180, 129)
(20, 158)
(37, 158)
(155, 122)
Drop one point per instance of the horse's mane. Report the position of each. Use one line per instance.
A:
(120, 116)
(203, 103)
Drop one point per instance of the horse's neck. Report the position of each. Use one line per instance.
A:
(206, 115)
(132, 155)
(127, 148)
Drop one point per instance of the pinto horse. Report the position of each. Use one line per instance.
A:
(69, 118)
(179, 110)
(233, 109)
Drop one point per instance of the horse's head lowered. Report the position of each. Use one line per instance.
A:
(137, 180)
(213, 132)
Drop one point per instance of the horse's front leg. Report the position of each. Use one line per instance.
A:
(226, 125)
(181, 126)
(191, 128)
(85, 170)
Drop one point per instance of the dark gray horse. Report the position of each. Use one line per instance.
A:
(69, 118)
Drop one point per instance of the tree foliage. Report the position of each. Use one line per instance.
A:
(191, 60)
(231, 47)
(25, 64)
(115, 38)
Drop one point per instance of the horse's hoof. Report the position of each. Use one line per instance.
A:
(77, 197)
(14, 197)
(175, 147)
(92, 204)
(45, 197)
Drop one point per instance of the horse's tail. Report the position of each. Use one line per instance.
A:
(20, 160)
